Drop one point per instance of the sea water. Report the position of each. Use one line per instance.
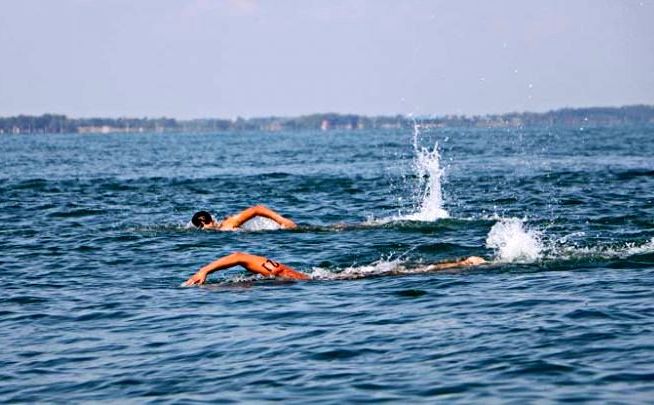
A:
(95, 243)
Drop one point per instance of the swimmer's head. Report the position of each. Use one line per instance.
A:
(201, 219)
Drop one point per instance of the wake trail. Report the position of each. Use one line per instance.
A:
(514, 242)
(510, 240)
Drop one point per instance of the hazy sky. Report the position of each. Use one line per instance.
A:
(222, 58)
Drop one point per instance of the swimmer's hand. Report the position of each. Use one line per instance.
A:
(287, 224)
(473, 261)
(198, 278)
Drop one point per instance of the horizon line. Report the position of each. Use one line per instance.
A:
(409, 115)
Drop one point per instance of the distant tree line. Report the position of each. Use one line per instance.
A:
(567, 117)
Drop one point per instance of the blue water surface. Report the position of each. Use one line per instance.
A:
(95, 243)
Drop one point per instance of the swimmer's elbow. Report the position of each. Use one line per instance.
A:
(236, 255)
(240, 258)
(260, 209)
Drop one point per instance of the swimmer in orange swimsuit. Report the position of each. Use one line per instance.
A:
(204, 220)
(270, 268)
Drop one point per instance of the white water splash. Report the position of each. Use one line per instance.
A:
(429, 172)
(427, 168)
(512, 242)
(260, 224)
(354, 272)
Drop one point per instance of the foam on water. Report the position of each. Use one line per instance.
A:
(260, 224)
(513, 242)
(567, 252)
(642, 249)
(383, 267)
(354, 272)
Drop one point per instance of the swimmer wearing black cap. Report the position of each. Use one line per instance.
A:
(204, 220)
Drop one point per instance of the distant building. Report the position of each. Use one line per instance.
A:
(274, 126)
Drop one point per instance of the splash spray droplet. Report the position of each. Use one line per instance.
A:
(512, 242)
(428, 170)
(426, 166)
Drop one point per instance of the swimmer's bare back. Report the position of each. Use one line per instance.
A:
(255, 264)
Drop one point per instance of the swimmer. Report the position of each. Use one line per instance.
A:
(270, 268)
(204, 220)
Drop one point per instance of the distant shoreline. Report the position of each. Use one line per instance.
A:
(565, 117)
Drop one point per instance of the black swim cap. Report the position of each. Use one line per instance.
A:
(201, 218)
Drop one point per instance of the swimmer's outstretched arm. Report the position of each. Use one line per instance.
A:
(255, 264)
(249, 262)
(469, 261)
(261, 211)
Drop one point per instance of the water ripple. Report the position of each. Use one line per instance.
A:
(95, 243)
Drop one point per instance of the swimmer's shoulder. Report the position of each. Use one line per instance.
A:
(229, 223)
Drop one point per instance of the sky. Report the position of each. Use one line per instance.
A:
(229, 58)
